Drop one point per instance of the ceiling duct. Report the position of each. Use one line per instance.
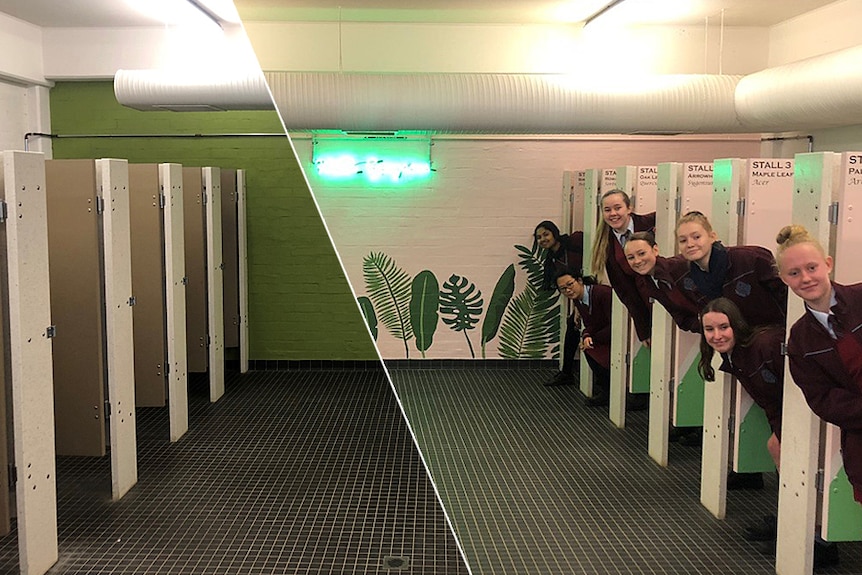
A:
(157, 90)
(821, 92)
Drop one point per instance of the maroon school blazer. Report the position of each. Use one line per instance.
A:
(669, 273)
(817, 369)
(623, 277)
(596, 318)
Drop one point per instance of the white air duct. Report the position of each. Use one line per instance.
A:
(503, 103)
(820, 92)
(157, 90)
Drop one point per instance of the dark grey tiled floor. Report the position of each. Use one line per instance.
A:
(535, 482)
(289, 473)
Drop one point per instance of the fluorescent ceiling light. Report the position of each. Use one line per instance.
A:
(188, 12)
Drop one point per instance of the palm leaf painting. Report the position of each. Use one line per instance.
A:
(424, 301)
(531, 323)
(497, 306)
(388, 288)
(368, 312)
(461, 306)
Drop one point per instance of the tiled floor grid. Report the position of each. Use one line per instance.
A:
(315, 472)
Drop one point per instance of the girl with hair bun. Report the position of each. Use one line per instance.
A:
(563, 252)
(745, 275)
(659, 278)
(617, 224)
(825, 344)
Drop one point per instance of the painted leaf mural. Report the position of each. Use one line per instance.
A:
(497, 306)
(368, 312)
(389, 290)
(461, 305)
(531, 323)
(424, 301)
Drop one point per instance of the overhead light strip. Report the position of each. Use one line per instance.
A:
(212, 15)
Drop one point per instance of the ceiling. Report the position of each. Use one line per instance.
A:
(118, 13)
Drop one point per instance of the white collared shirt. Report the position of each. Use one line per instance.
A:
(823, 317)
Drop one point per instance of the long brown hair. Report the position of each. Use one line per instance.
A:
(598, 262)
(743, 333)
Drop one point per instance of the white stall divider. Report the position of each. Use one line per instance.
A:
(171, 178)
(816, 178)
(113, 180)
(590, 220)
(30, 354)
(242, 247)
(215, 281)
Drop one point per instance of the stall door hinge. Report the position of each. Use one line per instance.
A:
(13, 475)
(204, 196)
(185, 281)
(783, 349)
(819, 480)
(677, 204)
(100, 204)
(51, 331)
(132, 301)
(832, 214)
(740, 207)
(107, 409)
(3, 211)
(162, 201)
(628, 359)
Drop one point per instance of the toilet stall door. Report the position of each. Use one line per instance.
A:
(76, 306)
(196, 272)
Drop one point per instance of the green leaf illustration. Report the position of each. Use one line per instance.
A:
(524, 333)
(370, 317)
(424, 301)
(497, 306)
(531, 323)
(463, 306)
(388, 287)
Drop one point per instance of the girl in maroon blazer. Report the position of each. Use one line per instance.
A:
(825, 344)
(562, 252)
(617, 224)
(659, 279)
(752, 355)
(593, 302)
(746, 275)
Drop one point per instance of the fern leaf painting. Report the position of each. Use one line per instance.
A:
(388, 288)
(532, 320)
(497, 306)
(461, 306)
(368, 312)
(524, 333)
(424, 301)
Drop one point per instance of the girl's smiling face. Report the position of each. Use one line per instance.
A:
(695, 243)
(806, 271)
(718, 332)
(616, 213)
(641, 256)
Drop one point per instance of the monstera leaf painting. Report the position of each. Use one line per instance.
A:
(531, 321)
(497, 306)
(389, 289)
(461, 306)
(424, 301)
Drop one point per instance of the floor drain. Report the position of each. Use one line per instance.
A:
(396, 563)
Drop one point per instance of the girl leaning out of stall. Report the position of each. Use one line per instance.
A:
(825, 344)
(746, 275)
(659, 279)
(608, 258)
(562, 252)
(593, 303)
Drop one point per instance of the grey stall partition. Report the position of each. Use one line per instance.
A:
(230, 255)
(196, 273)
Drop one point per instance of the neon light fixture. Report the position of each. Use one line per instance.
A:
(380, 160)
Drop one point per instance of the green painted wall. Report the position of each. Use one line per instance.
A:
(300, 305)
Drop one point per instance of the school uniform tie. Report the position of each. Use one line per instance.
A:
(625, 237)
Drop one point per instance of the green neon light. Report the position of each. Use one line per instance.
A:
(372, 168)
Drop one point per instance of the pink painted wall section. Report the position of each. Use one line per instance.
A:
(485, 197)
